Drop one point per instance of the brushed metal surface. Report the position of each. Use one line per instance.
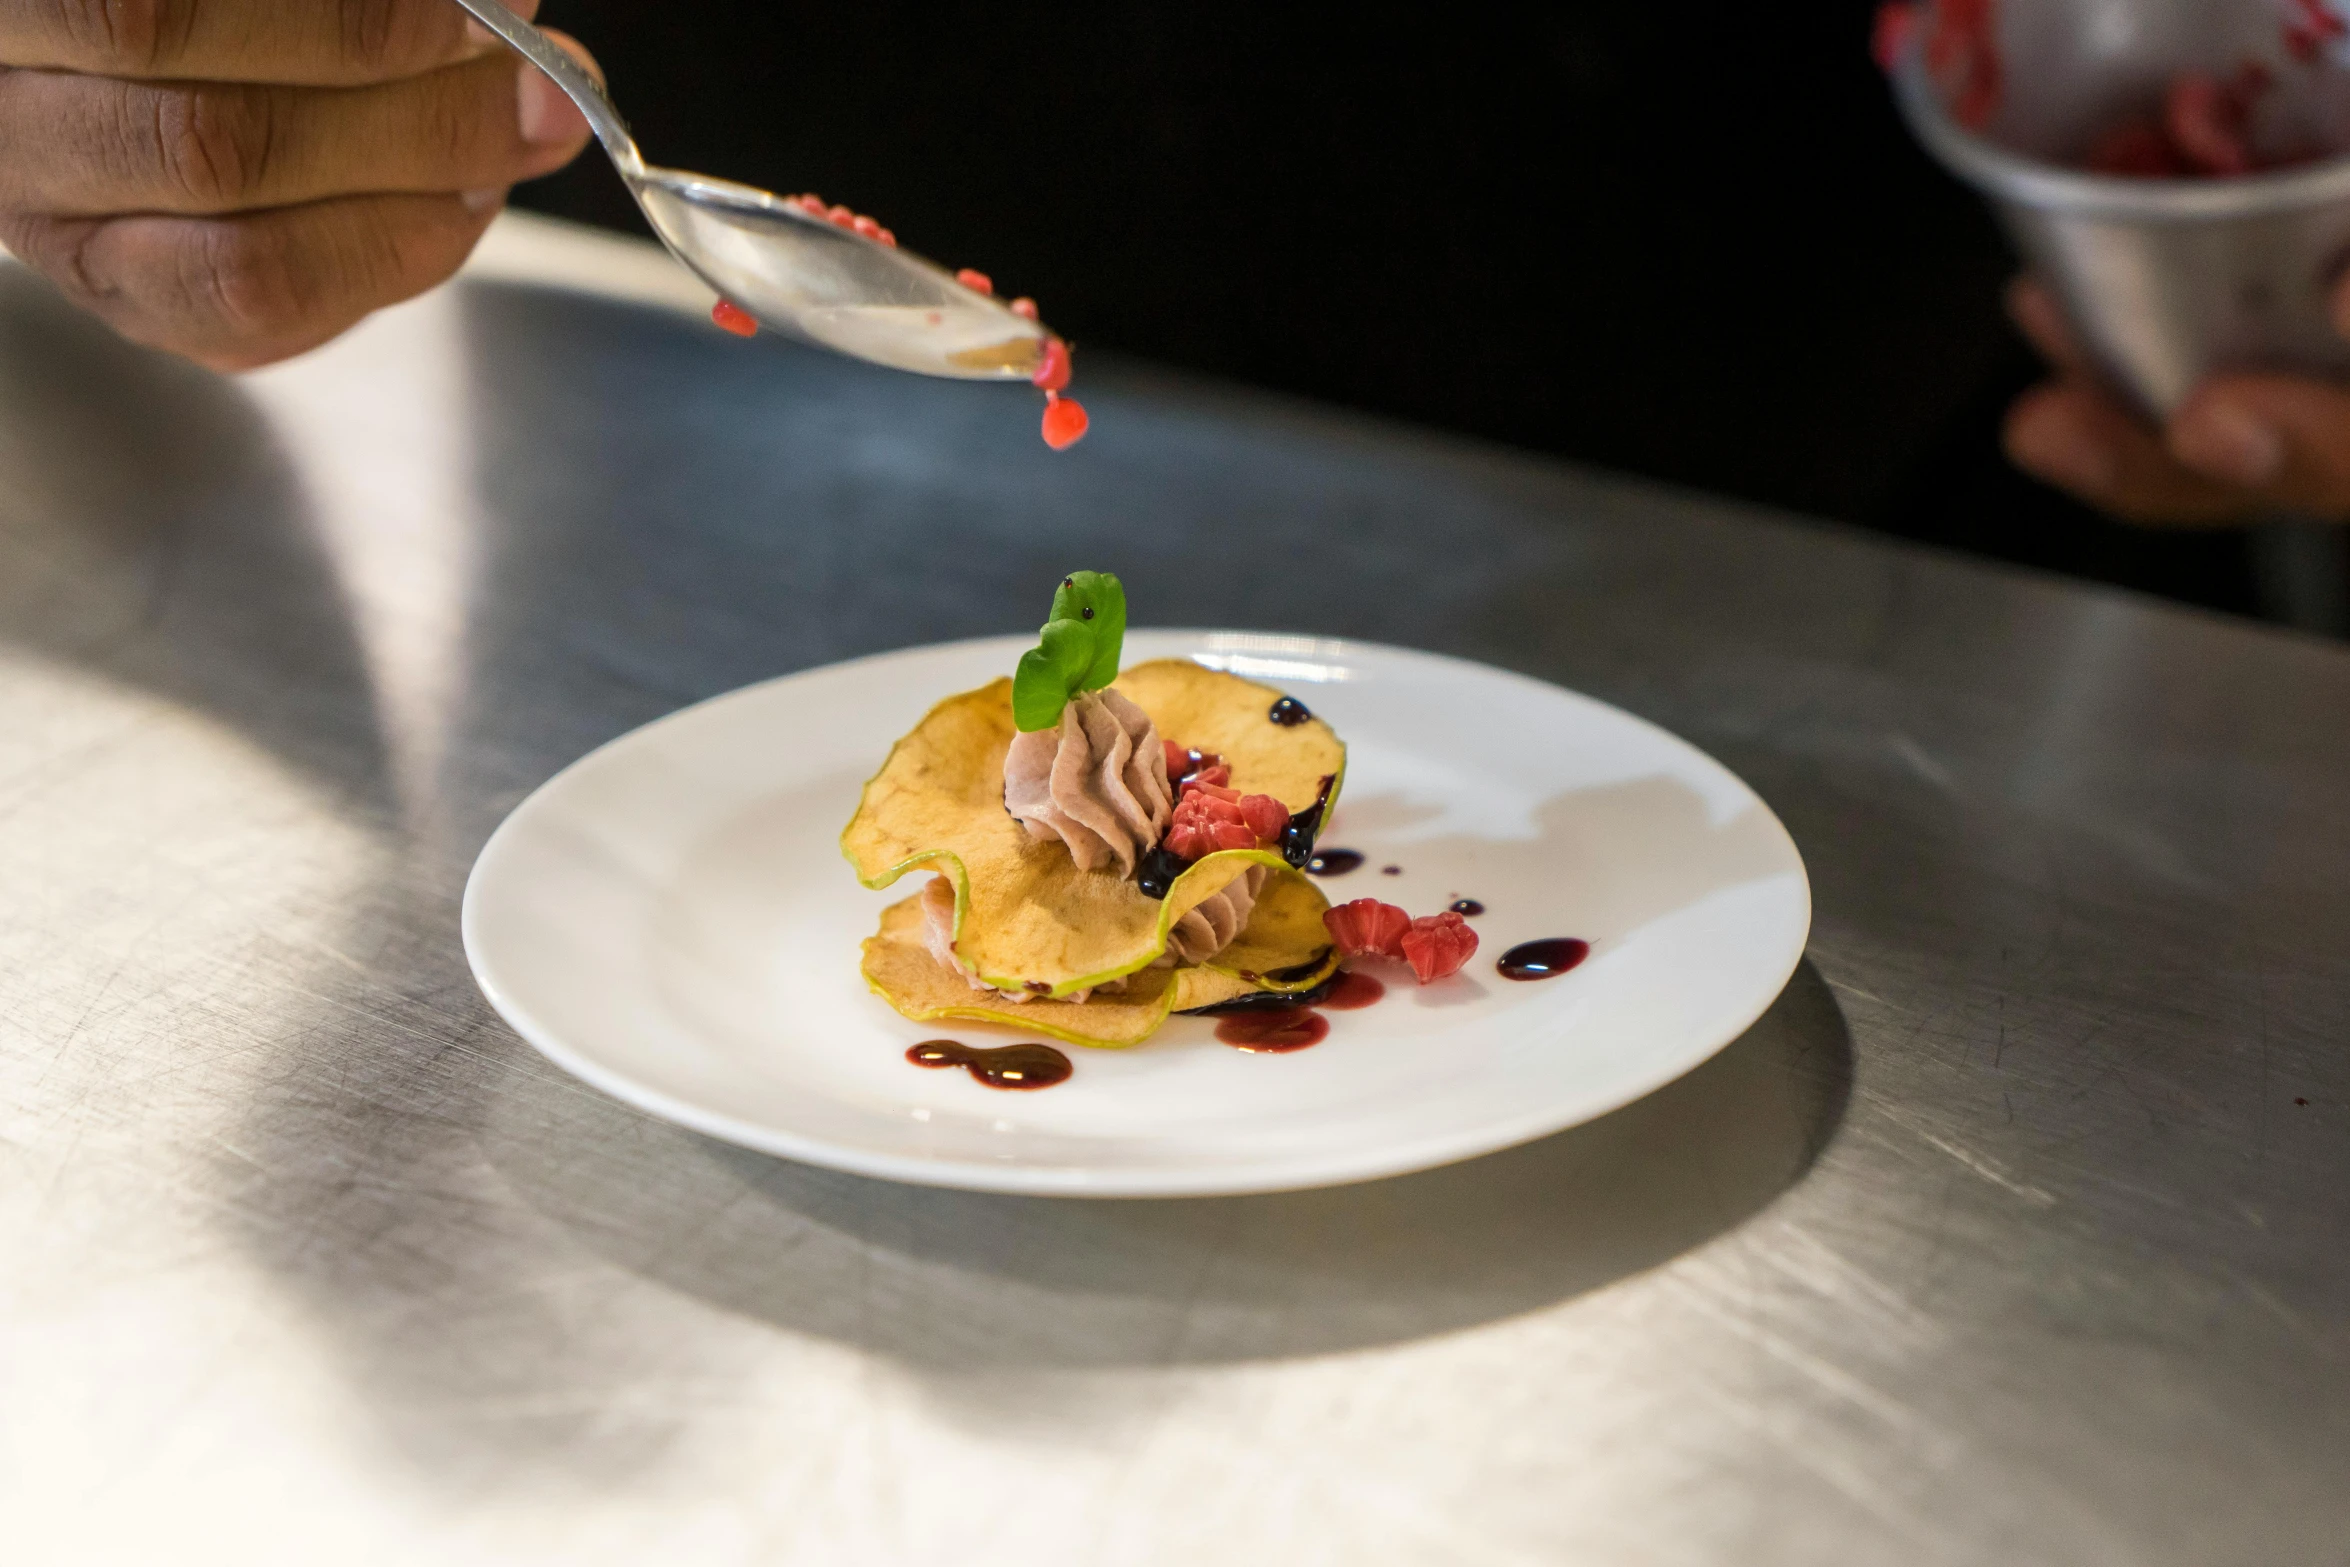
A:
(2019, 1230)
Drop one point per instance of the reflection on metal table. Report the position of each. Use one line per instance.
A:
(2019, 1229)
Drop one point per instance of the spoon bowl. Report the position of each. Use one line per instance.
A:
(792, 270)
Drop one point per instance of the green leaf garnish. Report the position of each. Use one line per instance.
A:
(1078, 649)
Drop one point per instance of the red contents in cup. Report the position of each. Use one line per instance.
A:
(2308, 32)
(1962, 55)
(2204, 129)
(734, 318)
(1064, 421)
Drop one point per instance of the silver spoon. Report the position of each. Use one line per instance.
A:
(794, 271)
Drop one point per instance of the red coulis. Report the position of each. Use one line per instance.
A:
(1274, 1030)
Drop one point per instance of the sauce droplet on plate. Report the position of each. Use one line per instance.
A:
(1289, 712)
(1351, 992)
(1544, 959)
(1274, 1030)
(998, 1066)
(1467, 906)
(1333, 862)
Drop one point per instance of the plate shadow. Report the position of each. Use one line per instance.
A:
(978, 1282)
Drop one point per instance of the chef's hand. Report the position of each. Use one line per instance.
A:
(2240, 446)
(239, 180)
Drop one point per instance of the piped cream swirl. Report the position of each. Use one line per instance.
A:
(1097, 781)
(1210, 925)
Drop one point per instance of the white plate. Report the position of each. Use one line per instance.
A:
(670, 918)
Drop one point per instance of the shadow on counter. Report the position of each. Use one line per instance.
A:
(973, 1282)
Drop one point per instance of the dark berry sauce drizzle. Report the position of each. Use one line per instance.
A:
(1289, 712)
(1333, 862)
(1274, 1030)
(1000, 1066)
(1544, 959)
(1467, 906)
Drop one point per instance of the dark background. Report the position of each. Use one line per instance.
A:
(1691, 241)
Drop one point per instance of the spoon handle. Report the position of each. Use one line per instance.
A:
(567, 73)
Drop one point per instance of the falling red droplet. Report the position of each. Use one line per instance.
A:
(1064, 423)
(975, 280)
(734, 318)
(1024, 306)
(1052, 371)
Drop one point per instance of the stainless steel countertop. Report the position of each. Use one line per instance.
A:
(2018, 1231)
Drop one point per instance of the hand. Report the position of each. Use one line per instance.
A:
(2240, 446)
(240, 180)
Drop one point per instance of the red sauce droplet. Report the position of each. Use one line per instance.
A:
(1064, 422)
(1024, 306)
(1017, 1067)
(1544, 959)
(975, 280)
(734, 318)
(1052, 370)
(1351, 992)
(1274, 1030)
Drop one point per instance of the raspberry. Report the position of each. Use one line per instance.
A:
(1024, 306)
(1064, 422)
(1437, 945)
(1203, 824)
(840, 216)
(867, 227)
(1213, 773)
(734, 318)
(1052, 371)
(1367, 928)
(975, 280)
(1214, 788)
(812, 204)
(1265, 816)
(885, 237)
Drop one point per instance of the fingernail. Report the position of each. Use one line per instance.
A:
(547, 117)
(2226, 442)
(478, 202)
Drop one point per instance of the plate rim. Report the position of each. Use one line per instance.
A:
(1351, 1168)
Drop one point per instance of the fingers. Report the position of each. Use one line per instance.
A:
(2283, 439)
(329, 43)
(2242, 446)
(235, 292)
(111, 146)
(2037, 315)
(2070, 434)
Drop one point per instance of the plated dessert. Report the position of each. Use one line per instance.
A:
(1103, 848)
